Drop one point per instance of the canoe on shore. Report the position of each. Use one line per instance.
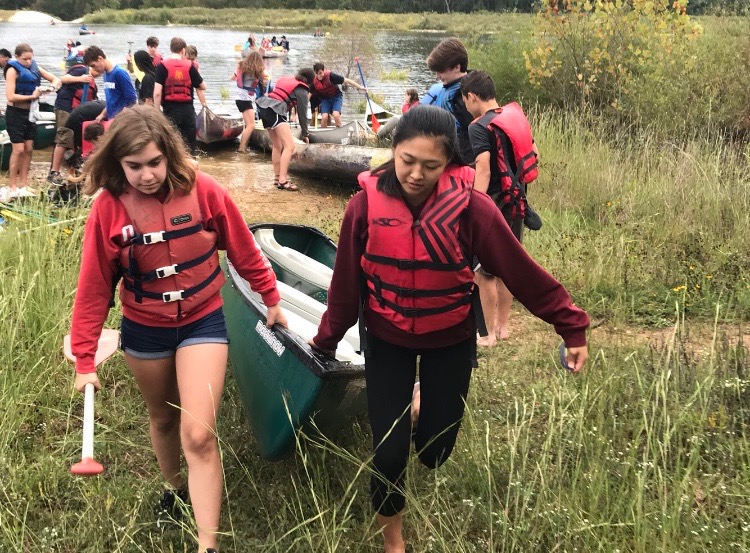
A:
(353, 132)
(218, 125)
(336, 161)
(44, 138)
(285, 386)
(260, 140)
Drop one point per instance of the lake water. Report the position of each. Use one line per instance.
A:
(402, 52)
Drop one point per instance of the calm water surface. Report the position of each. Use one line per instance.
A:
(217, 56)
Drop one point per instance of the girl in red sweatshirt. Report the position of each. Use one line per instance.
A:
(158, 225)
(410, 236)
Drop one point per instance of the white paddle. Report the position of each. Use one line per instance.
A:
(108, 343)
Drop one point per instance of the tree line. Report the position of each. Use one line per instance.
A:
(70, 9)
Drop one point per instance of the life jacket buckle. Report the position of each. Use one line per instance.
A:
(154, 237)
(169, 270)
(175, 295)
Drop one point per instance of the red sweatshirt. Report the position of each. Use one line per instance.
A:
(482, 232)
(103, 241)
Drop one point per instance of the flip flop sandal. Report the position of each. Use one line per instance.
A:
(287, 186)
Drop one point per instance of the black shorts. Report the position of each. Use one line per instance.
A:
(244, 105)
(271, 119)
(19, 128)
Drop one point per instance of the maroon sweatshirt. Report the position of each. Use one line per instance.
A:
(483, 233)
(102, 243)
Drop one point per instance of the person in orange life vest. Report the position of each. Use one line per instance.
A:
(78, 87)
(191, 53)
(411, 99)
(491, 145)
(288, 92)
(418, 212)
(175, 79)
(251, 80)
(327, 92)
(23, 78)
(156, 213)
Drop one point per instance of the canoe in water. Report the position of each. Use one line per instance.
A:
(353, 132)
(336, 161)
(217, 126)
(284, 385)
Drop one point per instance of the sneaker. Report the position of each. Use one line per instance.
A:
(55, 178)
(5, 194)
(74, 159)
(532, 220)
(26, 192)
(170, 507)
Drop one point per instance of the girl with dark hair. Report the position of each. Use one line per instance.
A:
(145, 63)
(407, 240)
(288, 93)
(159, 224)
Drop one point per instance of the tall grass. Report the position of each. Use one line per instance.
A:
(647, 450)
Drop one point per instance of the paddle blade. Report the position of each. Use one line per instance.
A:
(109, 341)
(375, 123)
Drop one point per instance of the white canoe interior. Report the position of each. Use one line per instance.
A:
(302, 311)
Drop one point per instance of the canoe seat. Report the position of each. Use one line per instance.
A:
(311, 310)
(308, 330)
(297, 269)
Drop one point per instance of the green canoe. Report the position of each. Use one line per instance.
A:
(45, 132)
(284, 385)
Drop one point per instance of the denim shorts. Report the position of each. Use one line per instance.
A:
(329, 105)
(159, 342)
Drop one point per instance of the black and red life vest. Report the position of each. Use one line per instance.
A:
(284, 88)
(162, 276)
(417, 275)
(324, 88)
(517, 161)
(178, 87)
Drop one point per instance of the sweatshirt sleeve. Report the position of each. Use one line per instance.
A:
(238, 241)
(502, 255)
(343, 295)
(99, 263)
(302, 103)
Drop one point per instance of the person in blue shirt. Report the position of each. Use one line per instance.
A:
(119, 91)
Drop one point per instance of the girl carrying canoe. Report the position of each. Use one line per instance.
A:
(159, 224)
(417, 221)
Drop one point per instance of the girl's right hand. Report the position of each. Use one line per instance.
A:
(85, 378)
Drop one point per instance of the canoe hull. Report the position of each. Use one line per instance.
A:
(216, 127)
(285, 387)
(260, 140)
(353, 132)
(335, 161)
(45, 130)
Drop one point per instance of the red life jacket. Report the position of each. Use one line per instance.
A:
(514, 176)
(161, 274)
(178, 86)
(247, 83)
(416, 274)
(85, 92)
(284, 88)
(325, 88)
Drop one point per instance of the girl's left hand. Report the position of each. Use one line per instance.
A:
(276, 316)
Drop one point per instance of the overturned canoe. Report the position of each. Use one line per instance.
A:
(336, 161)
(284, 385)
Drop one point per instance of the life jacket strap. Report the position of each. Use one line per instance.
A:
(415, 312)
(175, 295)
(170, 270)
(164, 235)
(411, 264)
(417, 293)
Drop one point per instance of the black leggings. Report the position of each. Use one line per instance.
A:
(182, 116)
(390, 370)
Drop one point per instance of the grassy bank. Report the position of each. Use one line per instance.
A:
(645, 451)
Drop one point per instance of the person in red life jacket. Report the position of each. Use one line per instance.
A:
(152, 47)
(78, 87)
(506, 161)
(191, 53)
(288, 92)
(251, 80)
(23, 78)
(418, 215)
(328, 95)
(176, 77)
(159, 224)
(411, 99)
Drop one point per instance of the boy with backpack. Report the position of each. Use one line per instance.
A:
(506, 161)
